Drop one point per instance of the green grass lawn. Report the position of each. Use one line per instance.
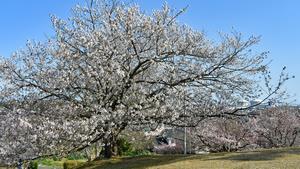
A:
(287, 158)
(50, 163)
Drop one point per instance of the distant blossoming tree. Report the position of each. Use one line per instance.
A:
(111, 66)
(279, 127)
(223, 134)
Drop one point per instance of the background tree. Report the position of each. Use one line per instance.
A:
(276, 126)
(279, 127)
(223, 134)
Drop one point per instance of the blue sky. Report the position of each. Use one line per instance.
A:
(277, 21)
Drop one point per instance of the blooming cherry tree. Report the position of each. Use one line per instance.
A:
(279, 127)
(223, 134)
(110, 66)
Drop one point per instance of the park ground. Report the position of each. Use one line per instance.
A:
(288, 158)
(283, 158)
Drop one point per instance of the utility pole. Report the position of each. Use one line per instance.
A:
(184, 112)
(185, 140)
(190, 141)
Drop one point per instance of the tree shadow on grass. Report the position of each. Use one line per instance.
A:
(143, 162)
(259, 156)
(264, 155)
(135, 162)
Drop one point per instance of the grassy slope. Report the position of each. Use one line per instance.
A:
(288, 158)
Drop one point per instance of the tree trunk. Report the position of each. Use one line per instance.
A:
(20, 164)
(110, 147)
(108, 151)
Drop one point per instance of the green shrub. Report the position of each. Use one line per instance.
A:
(138, 140)
(124, 146)
(138, 153)
(70, 164)
(76, 156)
(56, 158)
(33, 165)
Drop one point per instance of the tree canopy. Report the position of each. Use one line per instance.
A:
(110, 66)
